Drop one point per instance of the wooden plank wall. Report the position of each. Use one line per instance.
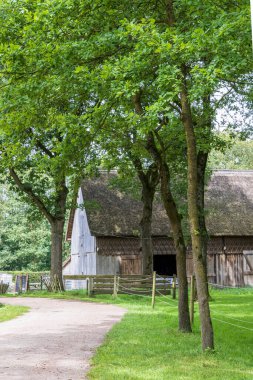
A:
(108, 264)
(248, 267)
(222, 269)
(229, 270)
(124, 264)
(131, 264)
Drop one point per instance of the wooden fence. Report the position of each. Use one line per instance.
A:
(127, 284)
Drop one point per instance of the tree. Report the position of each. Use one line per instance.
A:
(131, 141)
(160, 156)
(179, 56)
(126, 155)
(45, 133)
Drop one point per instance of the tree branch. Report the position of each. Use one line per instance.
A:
(137, 103)
(170, 13)
(40, 145)
(32, 196)
(44, 149)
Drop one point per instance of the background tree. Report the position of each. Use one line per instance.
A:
(236, 154)
(127, 154)
(24, 241)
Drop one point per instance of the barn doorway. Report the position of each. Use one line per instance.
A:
(165, 264)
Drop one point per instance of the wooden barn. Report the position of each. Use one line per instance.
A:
(104, 231)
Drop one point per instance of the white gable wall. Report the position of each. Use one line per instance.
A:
(84, 258)
(83, 244)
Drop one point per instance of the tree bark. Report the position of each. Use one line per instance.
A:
(146, 232)
(149, 180)
(201, 168)
(57, 230)
(177, 233)
(175, 221)
(193, 210)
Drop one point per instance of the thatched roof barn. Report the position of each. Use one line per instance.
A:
(112, 220)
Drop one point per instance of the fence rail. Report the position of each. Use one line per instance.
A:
(127, 284)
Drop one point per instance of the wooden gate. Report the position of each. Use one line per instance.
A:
(248, 268)
(131, 264)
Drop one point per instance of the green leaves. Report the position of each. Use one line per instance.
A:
(70, 71)
(24, 241)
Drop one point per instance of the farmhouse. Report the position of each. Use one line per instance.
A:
(104, 231)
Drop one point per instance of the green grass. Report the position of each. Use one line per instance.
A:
(9, 312)
(146, 344)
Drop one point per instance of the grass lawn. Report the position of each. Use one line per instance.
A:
(9, 312)
(146, 344)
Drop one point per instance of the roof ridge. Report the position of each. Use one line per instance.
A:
(233, 170)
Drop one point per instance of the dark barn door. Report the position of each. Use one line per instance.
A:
(165, 264)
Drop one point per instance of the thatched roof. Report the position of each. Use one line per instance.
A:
(229, 204)
(112, 212)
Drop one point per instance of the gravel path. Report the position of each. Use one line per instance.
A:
(54, 340)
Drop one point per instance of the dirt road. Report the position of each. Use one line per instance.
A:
(54, 340)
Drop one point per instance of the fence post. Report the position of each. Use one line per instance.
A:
(174, 286)
(91, 286)
(118, 278)
(54, 284)
(153, 289)
(88, 286)
(20, 283)
(192, 300)
(27, 283)
(115, 287)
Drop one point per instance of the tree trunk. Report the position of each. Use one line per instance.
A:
(57, 230)
(149, 180)
(198, 262)
(201, 167)
(146, 232)
(178, 238)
